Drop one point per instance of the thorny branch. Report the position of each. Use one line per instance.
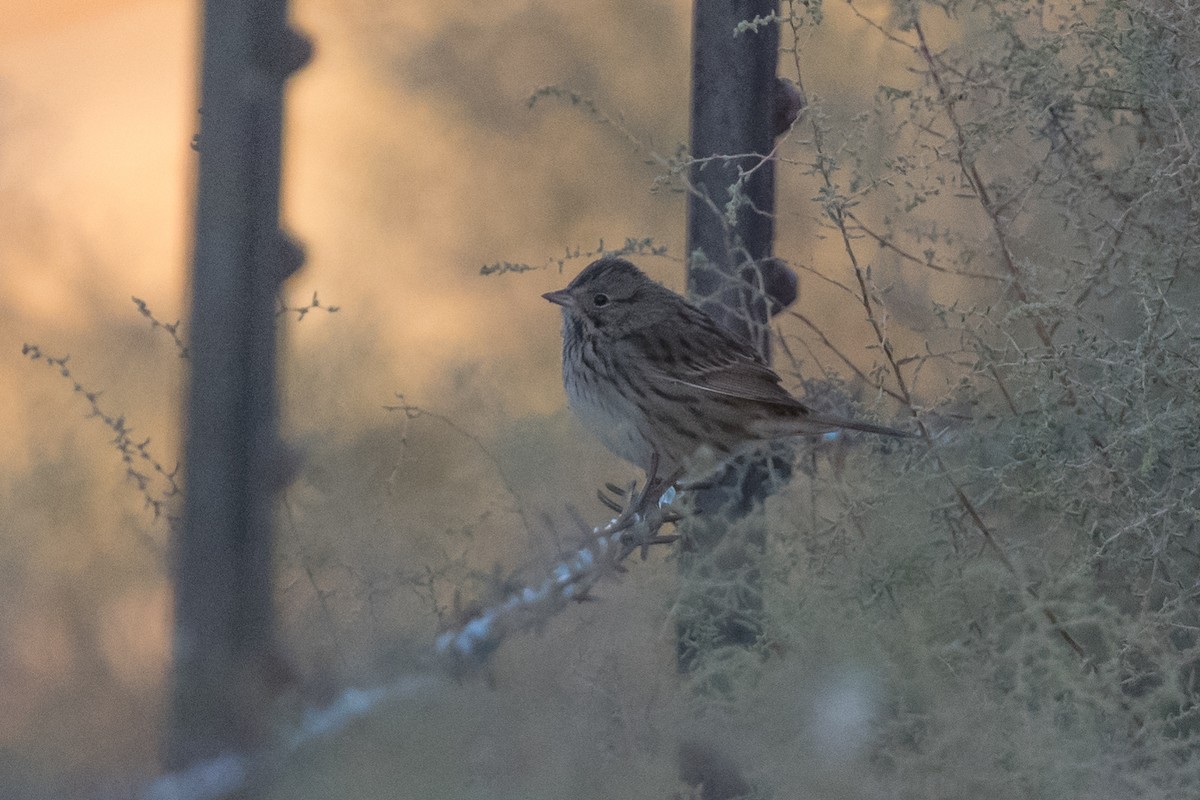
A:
(602, 554)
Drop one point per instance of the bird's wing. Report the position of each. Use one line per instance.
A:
(697, 352)
(709, 358)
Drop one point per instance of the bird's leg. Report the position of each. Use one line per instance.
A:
(657, 486)
(627, 500)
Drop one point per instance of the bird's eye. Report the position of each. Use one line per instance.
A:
(600, 300)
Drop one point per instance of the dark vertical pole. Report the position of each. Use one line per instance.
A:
(226, 665)
(733, 103)
(730, 229)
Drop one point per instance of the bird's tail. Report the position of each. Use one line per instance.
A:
(816, 422)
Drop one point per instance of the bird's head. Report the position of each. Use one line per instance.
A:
(611, 297)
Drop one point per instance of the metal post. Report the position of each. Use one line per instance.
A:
(732, 276)
(733, 103)
(227, 668)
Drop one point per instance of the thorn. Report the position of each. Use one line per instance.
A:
(608, 502)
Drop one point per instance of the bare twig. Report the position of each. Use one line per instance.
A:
(135, 454)
(302, 311)
(171, 328)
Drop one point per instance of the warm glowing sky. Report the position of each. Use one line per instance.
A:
(397, 200)
(411, 161)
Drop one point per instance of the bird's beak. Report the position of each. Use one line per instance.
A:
(561, 297)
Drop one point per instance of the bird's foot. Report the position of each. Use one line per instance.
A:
(641, 513)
